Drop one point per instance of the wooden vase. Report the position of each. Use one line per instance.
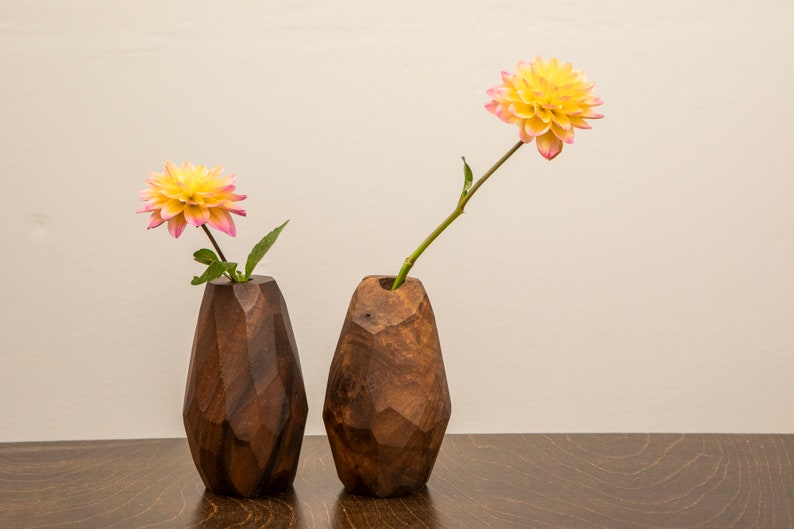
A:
(387, 402)
(245, 403)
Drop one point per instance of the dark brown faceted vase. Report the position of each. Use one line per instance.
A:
(245, 403)
(387, 402)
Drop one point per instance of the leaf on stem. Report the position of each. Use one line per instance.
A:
(468, 177)
(261, 248)
(214, 271)
(205, 256)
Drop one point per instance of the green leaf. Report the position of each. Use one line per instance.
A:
(205, 256)
(261, 248)
(214, 271)
(468, 177)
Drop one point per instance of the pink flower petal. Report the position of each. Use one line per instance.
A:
(222, 221)
(549, 145)
(176, 225)
(236, 198)
(526, 138)
(214, 172)
(504, 114)
(196, 215)
(154, 220)
(231, 208)
(171, 170)
(495, 92)
(152, 204)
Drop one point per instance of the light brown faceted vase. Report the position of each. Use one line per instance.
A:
(245, 403)
(387, 402)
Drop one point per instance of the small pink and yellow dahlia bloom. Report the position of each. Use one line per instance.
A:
(547, 99)
(191, 195)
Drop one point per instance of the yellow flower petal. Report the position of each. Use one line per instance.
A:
(561, 119)
(549, 145)
(171, 208)
(564, 135)
(535, 126)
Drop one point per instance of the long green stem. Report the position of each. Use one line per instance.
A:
(214, 244)
(457, 212)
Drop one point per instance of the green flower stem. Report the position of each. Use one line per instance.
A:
(457, 212)
(217, 249)
(214, 244)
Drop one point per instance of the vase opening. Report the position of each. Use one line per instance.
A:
(386, 282)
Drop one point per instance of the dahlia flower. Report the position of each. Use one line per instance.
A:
(200, 197)
(547, 99)
(191, 195)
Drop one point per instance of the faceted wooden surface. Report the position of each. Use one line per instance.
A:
(387, 402)
(245, 403)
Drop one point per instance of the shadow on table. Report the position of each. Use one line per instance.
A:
(416, 510)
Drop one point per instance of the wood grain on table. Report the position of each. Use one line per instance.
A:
(608, 481)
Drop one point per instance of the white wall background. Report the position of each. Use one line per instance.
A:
(642, 281)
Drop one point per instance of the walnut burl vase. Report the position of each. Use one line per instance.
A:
(387, 402)
(245, 403)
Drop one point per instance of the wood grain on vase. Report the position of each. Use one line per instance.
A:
(387, 403)
(245, 404)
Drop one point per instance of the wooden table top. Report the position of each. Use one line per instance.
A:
(608, 481)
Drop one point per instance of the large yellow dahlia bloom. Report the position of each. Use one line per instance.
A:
(547, 100)
(191, 195)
